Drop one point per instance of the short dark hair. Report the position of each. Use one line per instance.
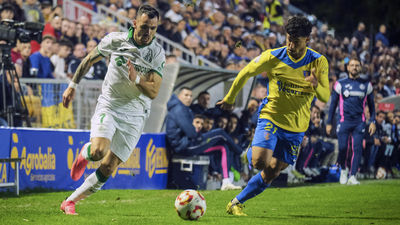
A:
(199, 116)
(203, 93)
(298, 26)
(66, 42)
(184, 88)
(148, 10)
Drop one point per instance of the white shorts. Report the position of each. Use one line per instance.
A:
(122, 130)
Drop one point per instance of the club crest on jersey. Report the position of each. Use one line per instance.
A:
(306, 73)
(362, 86)
(149, 56)
(346, 93)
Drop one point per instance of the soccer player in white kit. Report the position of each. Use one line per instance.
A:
(133, 79)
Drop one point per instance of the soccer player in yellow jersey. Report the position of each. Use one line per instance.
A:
(296, 74)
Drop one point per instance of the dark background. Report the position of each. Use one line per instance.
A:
(344, 15)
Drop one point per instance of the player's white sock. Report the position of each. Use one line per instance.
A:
(86, 151)
(231, 176)
(235, 201)
(91, 185)
(226, 181)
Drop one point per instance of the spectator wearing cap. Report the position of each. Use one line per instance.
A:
(41, 66)
(174, 14)
(32, 11)
(53, 27)
(381, 35)
(250, 24)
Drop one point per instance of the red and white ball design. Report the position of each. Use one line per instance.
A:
(190, 205)
(381, 173)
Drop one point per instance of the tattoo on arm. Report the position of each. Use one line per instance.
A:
(93, 57)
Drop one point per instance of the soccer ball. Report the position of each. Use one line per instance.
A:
(190, 205)
(381, 173)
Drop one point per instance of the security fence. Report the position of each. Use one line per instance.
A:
(43, 98)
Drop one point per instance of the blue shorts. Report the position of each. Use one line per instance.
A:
(285, 144)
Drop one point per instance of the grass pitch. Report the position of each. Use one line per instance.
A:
(373, 202)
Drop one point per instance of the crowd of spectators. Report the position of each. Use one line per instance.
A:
(230, 34)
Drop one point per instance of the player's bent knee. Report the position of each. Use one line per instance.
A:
(258, 163)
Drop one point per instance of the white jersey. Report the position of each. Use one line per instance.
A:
(118, 92)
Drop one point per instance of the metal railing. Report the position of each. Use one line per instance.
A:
(44, 103)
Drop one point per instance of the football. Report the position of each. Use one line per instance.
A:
(190, 205)
(381, 173)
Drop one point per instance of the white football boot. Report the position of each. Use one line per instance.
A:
(353, 181)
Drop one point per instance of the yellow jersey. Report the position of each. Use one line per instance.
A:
(289, 95)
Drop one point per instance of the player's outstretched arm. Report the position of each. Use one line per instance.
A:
(255, 67)
(149, 85)
(93, 57)
(320, 81)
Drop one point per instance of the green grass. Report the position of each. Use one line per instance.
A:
(373, 202)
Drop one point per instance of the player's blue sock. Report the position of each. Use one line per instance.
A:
(255, 186)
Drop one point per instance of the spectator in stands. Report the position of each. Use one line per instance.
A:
(71, 33)
(32, 10)
(53, 27)
(47, 10)
(41, 66)
(274, 13)
(58, 60)
(22, 63)
(166, 28)
(183, 139)
(360, 32)
(200, 34)
(7, 12)
(239, 53)
(381, 35)
(203, 101)
(174, 14)
(98, 70)
(179, 32)
(132, 13)
(77, 55)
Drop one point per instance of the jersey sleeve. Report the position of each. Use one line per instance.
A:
(322, 72)
(159, 62)
(106, 47)
(255, 67)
